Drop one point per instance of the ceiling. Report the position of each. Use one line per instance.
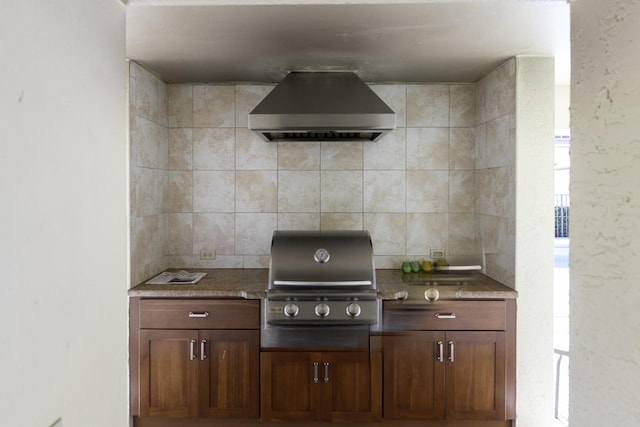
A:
(208, 41)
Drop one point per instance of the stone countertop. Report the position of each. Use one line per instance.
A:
(392, 285)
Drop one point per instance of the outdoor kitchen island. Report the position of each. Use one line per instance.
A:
(195, 356)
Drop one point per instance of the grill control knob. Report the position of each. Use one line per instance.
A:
(291, 310)
(353, 310)
(322, 310)
(431, 294)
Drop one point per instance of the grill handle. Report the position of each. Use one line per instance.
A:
(315, 283)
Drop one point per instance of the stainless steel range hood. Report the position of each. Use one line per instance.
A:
(321, 106)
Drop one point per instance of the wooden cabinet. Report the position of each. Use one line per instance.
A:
(321, 386)
(458, 370)
(195, 358)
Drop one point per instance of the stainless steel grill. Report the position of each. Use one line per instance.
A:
(322, 285)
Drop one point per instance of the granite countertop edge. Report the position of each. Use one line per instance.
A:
(252, 284)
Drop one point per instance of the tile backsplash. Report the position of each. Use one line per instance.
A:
(201, 181)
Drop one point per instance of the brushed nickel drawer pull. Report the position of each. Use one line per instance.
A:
(440, 351)
(200, 314)
(451, 350)
(192, 355)
(203, 354)
(315, 372)
(326, 372)
(445, 315)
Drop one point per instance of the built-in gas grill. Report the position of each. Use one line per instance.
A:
(321, 291)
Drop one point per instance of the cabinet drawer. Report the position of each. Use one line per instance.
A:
(445, 316)
(199, 314)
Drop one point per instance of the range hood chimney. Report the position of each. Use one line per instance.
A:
(321, 106)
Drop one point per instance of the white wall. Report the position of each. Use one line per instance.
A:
(605, 214)
(534, 239)
(63, 222)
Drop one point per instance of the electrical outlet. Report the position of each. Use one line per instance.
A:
(208, 254)
(437, 253)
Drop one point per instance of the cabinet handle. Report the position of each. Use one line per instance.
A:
(315, 372)
(203, 354)
(451, 350)
(326, 372)
(192, 355)
(440, 351)
(200, 314)
(445, 315)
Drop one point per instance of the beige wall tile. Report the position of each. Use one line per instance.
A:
(298, 221)
(180, 192)
(384, 191)
(254, 232)
(427, 105)
(426, 232)
(242, 188)
(256, 261)
(180, 105)
(340, 156)
(387, 232)
(494, 192)
(462, 190)
(214, 149)
(214, 106)
(214, 191)
(144, 93)
(147, 248)
(462, 106)
(179, 234)
(163, 104)
(462, 236)
(341, 221)
(462, 148)
(427, 148)
(252, 153)
(428, 191)
(150, 191)
(215, 231)
(341, 191)
(300, 155)
(500, 151)
(145, 147)
(180, 149)
(389, 153)
(256, 191)
(500, 90)
(298, 191)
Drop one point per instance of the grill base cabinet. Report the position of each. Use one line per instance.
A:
(321, 386)
(194, 359)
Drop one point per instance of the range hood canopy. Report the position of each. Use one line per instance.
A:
(322, 106)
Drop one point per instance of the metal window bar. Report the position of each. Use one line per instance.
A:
(562, 215)
(561, 355)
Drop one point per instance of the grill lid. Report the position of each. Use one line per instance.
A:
(336, 259)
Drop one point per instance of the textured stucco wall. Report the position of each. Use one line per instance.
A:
(605, 213)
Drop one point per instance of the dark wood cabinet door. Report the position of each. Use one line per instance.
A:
(168, 373)
(346, 380)
(475, 378)
(229, 373)
(287, 385)
(414, 375)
